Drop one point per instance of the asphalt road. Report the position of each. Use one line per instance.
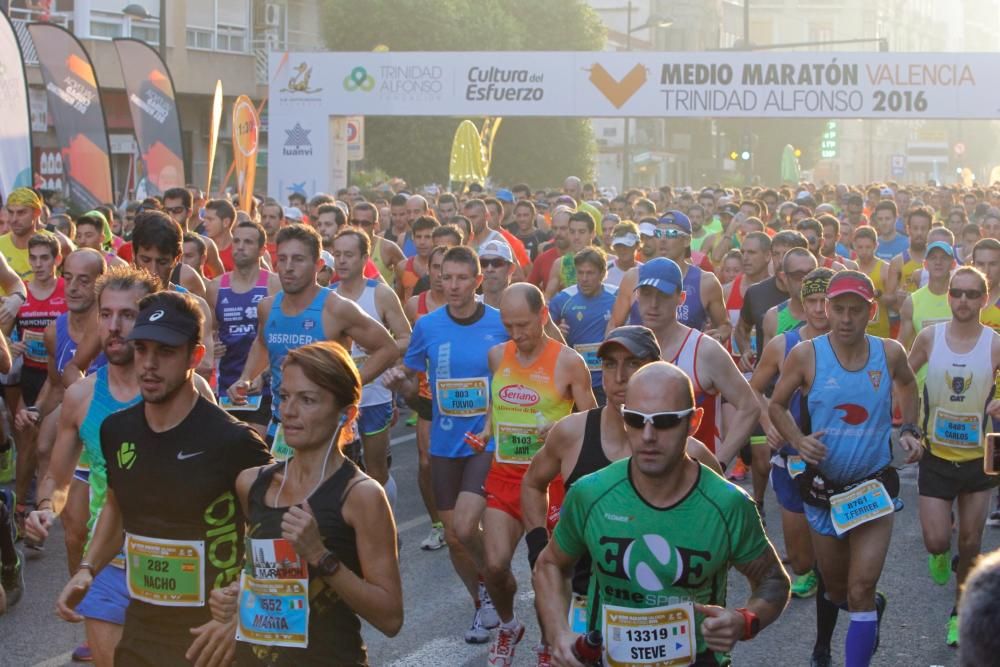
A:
(438, 609)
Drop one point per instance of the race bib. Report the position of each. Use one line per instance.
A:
(516, 443)
(467, 397)
(661, 636)
(796, 466)
(252, 404)
(273, 612)
(957, 430)
(280, 451)
(169, 573)
(35, 344)
(578, 614)
(865, 502)
(589, 353)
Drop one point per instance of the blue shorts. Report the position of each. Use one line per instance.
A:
(785, 488)
(82, 474)
(107, 598)
(373, 419)
(820, 521)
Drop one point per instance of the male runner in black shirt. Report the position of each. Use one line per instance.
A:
(172, 460)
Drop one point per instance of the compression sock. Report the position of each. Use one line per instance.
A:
(391, 491)
(826, 614)
(861, 635)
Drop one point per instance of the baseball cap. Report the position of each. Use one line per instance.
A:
(940, 245)
(676, 218)
(729, 209)
(163, 320)
(292, 213)
(851, 282)
(647, 229)
(637, 339)
(887, 192)
(505, 195)
(627, 239)
(327, 258)
(496, 248)
(661, 273)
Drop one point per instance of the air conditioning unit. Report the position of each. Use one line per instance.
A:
(272, 15)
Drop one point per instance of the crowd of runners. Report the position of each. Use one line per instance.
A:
(202, 397)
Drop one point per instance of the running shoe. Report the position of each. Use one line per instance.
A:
(821, 657)
(952, 639)
(739, 471)
(12, 579)
(434, 539)
(82, 653)
(994, 520)
(805, 585)
(544, 657)
(502, 647)
(881, 602)
(411, 421)
(940, 567)
(477, 634)
(7, 458)
(488, 612)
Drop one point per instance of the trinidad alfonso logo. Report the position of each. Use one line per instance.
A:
(359, 79)
(618, 92)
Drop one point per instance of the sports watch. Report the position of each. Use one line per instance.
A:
(751, 624)
(913, 430)
(328, 564)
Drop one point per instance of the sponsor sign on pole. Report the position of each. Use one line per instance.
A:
(246, 127)
(213, 134)
(355, 138)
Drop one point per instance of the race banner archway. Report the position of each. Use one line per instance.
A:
(609, 84)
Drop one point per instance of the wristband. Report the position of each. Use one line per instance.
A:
(84, 565)
(24, 297)
(536, 538)
(751, 624)
(38, 505)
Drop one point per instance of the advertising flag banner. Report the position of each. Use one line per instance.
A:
(15, 130)
(150, 92)
(466, 165)
(213, 133)
(246, 127)
(75, 104)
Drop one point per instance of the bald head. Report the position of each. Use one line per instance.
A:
(81, 269)
(416, 206)
(521, 295)
(85, 260)
(659, 387)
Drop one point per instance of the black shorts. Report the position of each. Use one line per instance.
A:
(453, 476)
(422, 406)
(261, 416)
(946, 480)
(32, 380)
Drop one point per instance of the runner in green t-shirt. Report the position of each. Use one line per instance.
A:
(662, 531)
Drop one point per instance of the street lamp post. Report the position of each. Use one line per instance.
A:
(654, 21)
(139, 12)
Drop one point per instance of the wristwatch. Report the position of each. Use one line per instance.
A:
(328, 564)
(913, 430)
(751, 624)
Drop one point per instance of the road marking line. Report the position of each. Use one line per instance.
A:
(441, 651)
(410, 524)
(57, 661)
(398, 440)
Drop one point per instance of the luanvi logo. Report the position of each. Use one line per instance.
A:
(126, 455)
(617, 91)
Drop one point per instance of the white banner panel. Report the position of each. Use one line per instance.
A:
(636, 84)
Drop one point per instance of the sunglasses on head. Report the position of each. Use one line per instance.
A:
(494, 262)
(970, 294)
(661, 421)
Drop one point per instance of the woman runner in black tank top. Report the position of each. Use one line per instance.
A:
(591, 459)
(321, 542)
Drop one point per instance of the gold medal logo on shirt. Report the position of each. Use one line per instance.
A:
(875, 377)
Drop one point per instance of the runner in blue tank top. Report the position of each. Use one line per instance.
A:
(848, 379)
(303, 313)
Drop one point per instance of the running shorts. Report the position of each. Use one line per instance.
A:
(785, 488)
(503, 492)
(453, 476)
(940, 478)
(373, 419)
(107, 598)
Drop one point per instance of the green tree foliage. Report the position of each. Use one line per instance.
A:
(540, 151)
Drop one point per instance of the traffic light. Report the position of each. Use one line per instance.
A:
(733, 155)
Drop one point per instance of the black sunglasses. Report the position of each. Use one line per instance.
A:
(970, 294)
(496, 263)
(661, 421)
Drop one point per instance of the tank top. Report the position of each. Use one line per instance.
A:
(956, 391)
(102, 404)
(410, 276)
(687, 361)
(785, 320)
(523, 398)
(16, 257)
(907, 280)
(286, 332)
(374, 393)
(388, 272)
(793, 338)
(34, 315)
(591, 459)
(854, 408)
(66, 347)
(928, 309)
(423, 386)
(567, 270)
(334, 629)
(734, 304)
(236, 313)
(990, 316)
(692, 311)
(879, 324)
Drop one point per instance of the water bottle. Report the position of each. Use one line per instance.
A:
(587, 648)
